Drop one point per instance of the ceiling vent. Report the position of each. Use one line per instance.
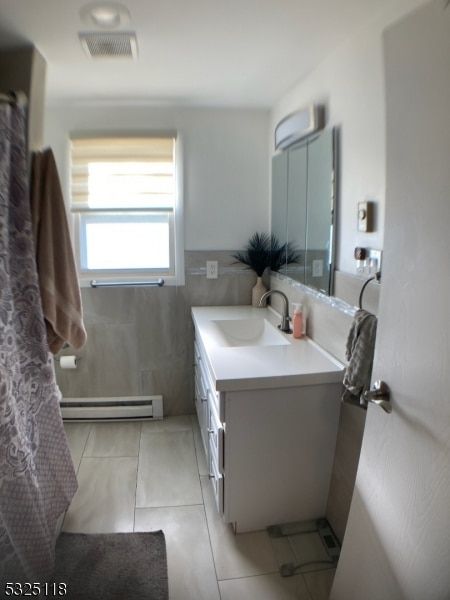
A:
(109, 45)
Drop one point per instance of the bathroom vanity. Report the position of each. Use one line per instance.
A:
(268, 407)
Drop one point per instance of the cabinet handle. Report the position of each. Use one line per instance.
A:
(204, 399)
(210, 431)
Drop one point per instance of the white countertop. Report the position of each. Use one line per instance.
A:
(299, 362)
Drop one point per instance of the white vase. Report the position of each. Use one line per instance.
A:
(257, 291)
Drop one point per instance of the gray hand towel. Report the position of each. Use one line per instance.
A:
(359, 352)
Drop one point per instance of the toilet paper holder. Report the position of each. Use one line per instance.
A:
(68, 361)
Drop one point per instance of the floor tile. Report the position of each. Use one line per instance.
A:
(236, 555)
(105, 500)
(265, 587)
(319, 583)
(145, 477)
(168, 472)
(77, 435)
(113, 439)
(189, 558)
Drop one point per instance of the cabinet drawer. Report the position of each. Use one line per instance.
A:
(217, 482)
(197, 355)
(201, 406)
(207, 379)
(200, 400)
(216, 437)
(200, 384)
(213, 396)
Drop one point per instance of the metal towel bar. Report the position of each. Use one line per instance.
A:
(95, 284)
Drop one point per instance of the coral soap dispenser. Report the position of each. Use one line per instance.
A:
(297, 321)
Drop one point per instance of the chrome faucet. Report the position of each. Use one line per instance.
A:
(285, 319)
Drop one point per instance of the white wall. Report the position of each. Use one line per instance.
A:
(227, 154)
(350, 83)
(226, 170)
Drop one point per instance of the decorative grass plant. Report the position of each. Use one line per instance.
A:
(265, 251)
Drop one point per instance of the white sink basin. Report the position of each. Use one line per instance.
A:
(247, 332)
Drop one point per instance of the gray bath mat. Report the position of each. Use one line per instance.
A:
(112, 566)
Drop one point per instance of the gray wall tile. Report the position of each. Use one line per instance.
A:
(140, 340)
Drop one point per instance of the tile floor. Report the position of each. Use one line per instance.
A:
(152, 475)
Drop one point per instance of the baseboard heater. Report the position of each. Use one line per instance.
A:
(127, 408)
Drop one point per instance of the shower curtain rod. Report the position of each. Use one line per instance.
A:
(14, 98)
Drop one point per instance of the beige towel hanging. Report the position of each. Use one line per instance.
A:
(58, 280)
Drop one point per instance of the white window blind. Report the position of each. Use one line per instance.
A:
(125, 201)
(125, 173)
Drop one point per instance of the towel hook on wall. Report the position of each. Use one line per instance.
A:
(376, 277)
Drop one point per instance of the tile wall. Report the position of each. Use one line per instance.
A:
(140, 340)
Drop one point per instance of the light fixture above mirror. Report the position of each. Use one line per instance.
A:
(298, 126)
(105, 15)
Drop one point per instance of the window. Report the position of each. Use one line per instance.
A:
(127, 208)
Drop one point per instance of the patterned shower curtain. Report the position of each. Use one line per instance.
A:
(37, 478)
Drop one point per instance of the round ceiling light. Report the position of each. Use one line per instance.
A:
(105, 15)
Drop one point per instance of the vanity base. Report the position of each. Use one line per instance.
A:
(278, 454)
(268, 416)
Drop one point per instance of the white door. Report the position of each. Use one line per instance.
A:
(397, 543)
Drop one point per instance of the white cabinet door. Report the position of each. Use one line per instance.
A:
(396, 546)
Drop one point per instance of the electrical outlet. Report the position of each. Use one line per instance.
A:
(368, 261)
(374, 261)
(212, 269)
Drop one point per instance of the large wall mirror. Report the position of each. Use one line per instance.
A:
(303, 206)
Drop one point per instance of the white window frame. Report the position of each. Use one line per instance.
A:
(174, 275)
